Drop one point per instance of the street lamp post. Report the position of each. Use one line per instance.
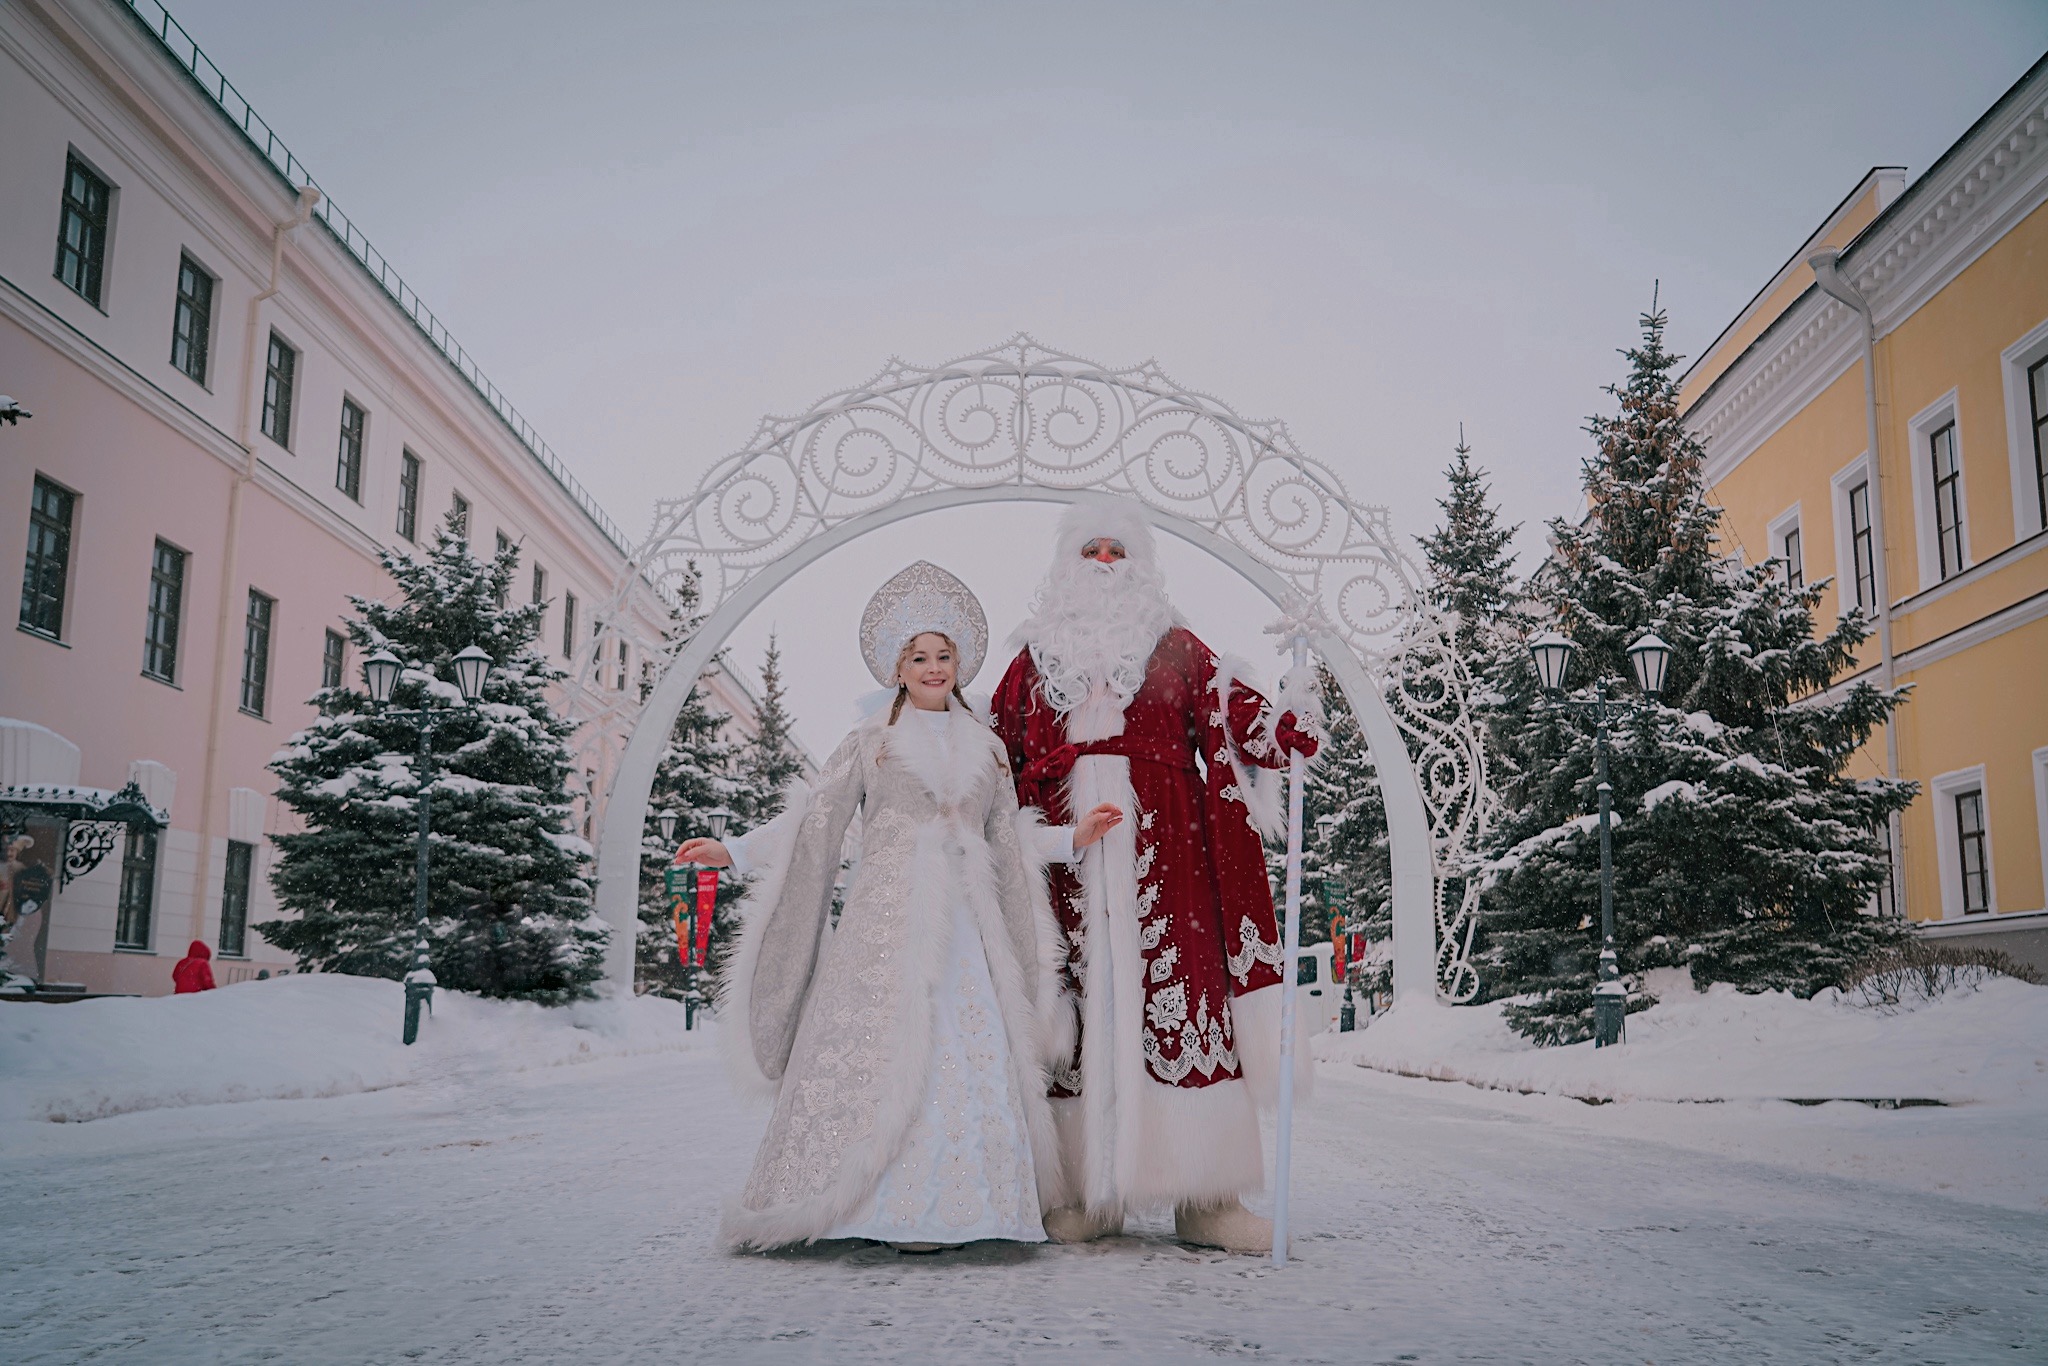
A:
(718, 820)
(1326, 836)
(691, 945)
(1649, 658)
(381, 672)
(1340, 921)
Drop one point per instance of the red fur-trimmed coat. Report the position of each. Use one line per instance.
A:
(1206, 932)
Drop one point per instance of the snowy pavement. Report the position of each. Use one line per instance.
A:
(566, 1213)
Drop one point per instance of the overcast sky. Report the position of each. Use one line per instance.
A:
(653, 222)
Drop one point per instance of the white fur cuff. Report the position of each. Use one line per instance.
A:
(1257, 1016)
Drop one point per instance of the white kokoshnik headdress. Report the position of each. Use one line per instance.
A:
(922, 598)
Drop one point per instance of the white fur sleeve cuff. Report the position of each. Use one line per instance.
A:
(1257, 1016)
(1055, 844)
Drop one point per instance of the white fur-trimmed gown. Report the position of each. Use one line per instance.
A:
(910, 1047)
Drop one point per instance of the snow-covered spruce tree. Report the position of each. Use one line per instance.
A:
(1344, 849)
(509, 903)
(696, 773)
(1348, 856)
(1470, 566)
(769, 762)
(1741, 848)
(1472, 580)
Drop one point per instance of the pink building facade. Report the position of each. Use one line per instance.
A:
(231, 414)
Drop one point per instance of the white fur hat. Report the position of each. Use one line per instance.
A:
(922, 598)
(1118, 518)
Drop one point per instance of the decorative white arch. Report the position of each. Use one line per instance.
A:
(1022, 422)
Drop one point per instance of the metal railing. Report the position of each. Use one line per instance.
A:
(179, 46)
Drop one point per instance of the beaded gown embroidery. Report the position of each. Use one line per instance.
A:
(965, 1170)
(902, 1113)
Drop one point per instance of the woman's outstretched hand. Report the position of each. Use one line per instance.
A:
(1094, 825)
(710, 853)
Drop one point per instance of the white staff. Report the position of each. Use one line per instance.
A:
(1297, 769)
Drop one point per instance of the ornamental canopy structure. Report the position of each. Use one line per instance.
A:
(1021, 422)
(83, 822)
(94, 818)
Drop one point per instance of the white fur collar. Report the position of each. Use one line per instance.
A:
(948, 768)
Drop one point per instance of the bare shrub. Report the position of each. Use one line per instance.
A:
(1918, 972)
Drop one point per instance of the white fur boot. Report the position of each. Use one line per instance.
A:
(1228, 1225)
(1073, 1224)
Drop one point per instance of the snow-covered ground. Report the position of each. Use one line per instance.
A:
(1736, 1070)
(1984, 1046)
(290, 1038)
(475, 1202)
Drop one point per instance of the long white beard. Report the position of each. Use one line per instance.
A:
(1094, 625)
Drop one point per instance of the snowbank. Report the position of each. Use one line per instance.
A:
(292, 1037)
(1988, 1046)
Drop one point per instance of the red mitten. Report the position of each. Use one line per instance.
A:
(1293, 739)
(1051, 766)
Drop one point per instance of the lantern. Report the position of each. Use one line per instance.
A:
(1650, 657)
(1553, 655)
(471, 666)
(380, 674)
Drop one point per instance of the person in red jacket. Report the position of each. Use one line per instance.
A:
(193, 973)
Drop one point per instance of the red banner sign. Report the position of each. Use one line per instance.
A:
(707, 903)
(684, 925)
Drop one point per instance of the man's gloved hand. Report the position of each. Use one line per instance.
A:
(1292, 739)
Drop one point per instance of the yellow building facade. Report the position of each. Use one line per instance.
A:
(1923, 496)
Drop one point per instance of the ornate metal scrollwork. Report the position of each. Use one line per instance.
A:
(1428, 692)
(86, 844)
(1022, 414)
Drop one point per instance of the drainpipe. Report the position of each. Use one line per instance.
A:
(224, 615)
(1827, 273)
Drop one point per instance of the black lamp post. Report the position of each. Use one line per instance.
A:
(1649, 658)
(381, 672)
(1326, 836)
(717, 820)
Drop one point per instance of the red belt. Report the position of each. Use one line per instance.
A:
(1056, 764)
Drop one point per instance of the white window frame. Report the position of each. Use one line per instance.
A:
(407, 455)
(1856, 472)
(1948, 842)
(360, 498)
(1921, 428)
(213, 316)
(2041, 813)
(102, 305)
(2014, 362)
(296, 405)
(1790, 520)
(156, 889)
